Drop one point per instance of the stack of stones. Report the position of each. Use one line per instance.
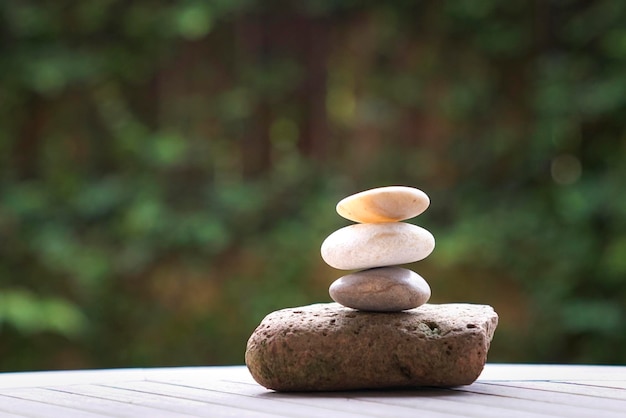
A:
(375, 246)
(381, 333)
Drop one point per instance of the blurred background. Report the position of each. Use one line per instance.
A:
(169, 169)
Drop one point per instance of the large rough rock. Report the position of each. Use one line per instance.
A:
(327, 347)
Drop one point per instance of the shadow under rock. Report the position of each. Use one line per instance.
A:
(425, 392)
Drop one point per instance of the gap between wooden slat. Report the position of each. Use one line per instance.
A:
(417, 400)
(613, 384)
(569, 388)
(244, 402)
(600, 404)
(30, 408)
(163, 403)
(110, 407)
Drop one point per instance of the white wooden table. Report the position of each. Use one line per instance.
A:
(503, 390)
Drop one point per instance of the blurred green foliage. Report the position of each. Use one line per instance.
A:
(168, 170)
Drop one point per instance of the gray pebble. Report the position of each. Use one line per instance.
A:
(384, 289)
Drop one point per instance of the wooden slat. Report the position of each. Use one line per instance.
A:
(9, 415)
(80, 402)
(570, 388)
(552, 372)
(609, 384)
(28, 408)
(167, 405)
(524, 406)
(42, 379)
(427, 402)
(516, 392)
(258, 401)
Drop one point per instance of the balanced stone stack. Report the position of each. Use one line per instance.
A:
(378, 241)
(381, 333)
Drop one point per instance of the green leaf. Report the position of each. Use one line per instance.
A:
(599, 317)
(194, 20)
(30, 314)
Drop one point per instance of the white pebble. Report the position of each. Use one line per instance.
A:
(363, 246)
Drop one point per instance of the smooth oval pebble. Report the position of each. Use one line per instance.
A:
(384, 289)
(363, 246)
(384, 204)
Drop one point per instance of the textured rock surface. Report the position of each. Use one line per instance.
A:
(363, 246)
(384, 289)
(384, 204)
(327, 347)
